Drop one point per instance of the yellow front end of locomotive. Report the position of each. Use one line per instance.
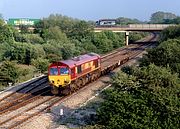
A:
(60, 81)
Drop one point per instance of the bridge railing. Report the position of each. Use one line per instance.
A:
(150, 26)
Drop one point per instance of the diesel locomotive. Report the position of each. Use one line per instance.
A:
(68, 75)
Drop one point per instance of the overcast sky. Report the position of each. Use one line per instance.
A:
(87, 9)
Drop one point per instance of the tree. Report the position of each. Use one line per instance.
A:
(68, 50)
(176, 21)
(81, 30)
(9, 72)
(53, 50)
(88, 46)
(41, 64)
(117, 39)
(167, 54)
(141, 100)
(126, 21)
(172, 21)
(6, 33)
(24, 52)
(170, 33)
(30, 38)
(64, 23)
(4, 47)
(135, 36)
(159, 17)
(102, 42)
(56, 34)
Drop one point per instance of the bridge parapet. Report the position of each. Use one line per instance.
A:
(150, 26)
(133, 27)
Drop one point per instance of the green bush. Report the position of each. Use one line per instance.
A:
(24, 52)
(148, 98)
(102, 43)
(167, 54)
(9, 72)
(136, 36)
(33, 38)
(41, 64)
(26, 72)
(6, 33)
(117, 39)
(171, 32)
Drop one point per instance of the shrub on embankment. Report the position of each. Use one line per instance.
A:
(167, 54)
(148, 96)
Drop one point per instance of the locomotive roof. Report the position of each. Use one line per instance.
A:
(80, 59)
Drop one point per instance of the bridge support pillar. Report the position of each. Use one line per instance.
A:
(127, 38)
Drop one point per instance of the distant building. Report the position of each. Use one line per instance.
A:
(26, 22)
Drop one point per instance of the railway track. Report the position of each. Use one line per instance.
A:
(24, 100)
(13, 99)
(30, 111)
(118, 51)
(30, 101)
(25, 89)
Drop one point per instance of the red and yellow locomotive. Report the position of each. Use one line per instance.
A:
(68, 75)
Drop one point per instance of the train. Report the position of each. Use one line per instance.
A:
(67, 76)
(106, 22)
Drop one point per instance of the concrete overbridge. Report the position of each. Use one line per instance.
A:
(132, 27)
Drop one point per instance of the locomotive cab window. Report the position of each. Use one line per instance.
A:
(64, 71)
(53, 71)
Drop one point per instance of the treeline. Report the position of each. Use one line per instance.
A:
(164, 18)
(156, 18)
(54, 38)
(147, 96)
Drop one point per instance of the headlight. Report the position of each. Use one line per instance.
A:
(66, 81)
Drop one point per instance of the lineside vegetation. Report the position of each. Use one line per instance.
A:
(147, 96)
(54, 38)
